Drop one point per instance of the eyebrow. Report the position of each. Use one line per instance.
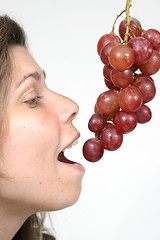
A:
(36, 75)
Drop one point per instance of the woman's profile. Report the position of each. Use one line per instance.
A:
(35, 128)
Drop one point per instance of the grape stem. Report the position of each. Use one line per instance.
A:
(128, 19)
(116, 21)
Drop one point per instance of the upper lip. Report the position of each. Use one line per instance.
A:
(72, 141)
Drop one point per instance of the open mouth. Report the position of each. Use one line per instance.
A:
(61, 156)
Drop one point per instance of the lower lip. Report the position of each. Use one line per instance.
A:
(76, 166)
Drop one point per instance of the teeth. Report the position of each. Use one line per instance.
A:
(74, 143)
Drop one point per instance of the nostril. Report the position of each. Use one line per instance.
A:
(75, 110)
(72, 116)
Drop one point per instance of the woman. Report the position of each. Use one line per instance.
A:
(36, 127)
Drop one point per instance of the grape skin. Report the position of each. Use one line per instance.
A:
(96, 123)
(134, 67)
(105, 52)
(107, 71)
(110, 84)
(152, 66)
(144, 75)
(96, 110)
(146, 88)
(125, 122)
(153, 36)
(105, 39)
(144, 114)
(121, 57)
(157, 50)
(122, 79)
(135, 29)
(130, 99)
(93, 150)
(142, 49)
(111, 138)
(107, 102)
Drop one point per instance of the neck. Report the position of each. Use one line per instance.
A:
(11, 219)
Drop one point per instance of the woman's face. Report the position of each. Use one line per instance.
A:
(39, 127)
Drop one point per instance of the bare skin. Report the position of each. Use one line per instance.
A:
(39, 127)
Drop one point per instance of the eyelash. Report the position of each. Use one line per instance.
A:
(34, 101)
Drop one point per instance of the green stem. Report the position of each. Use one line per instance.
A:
(128, 19)
(116, 21)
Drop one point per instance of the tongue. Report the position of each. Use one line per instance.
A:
(62, 158)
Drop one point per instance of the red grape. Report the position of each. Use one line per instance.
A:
(144, 75)
(130, 99)
(111, 116)
(125, 122)
(93, 150)
(152, 66)
(108, 117)
(146, 88)
(118, 110)
(153, 37)
(122, 79)
(142, 49)
(157, 50)
(110, 84)
(144, 114)
(134, 67)
(107, 71)
(105, 39)
(96, 123)
(135, 29)
(105, 52)
(111, 138)
(121, 57)
(107, 102)
(96, 110)
(107, 77)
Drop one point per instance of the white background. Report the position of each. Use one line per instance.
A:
(120, 198)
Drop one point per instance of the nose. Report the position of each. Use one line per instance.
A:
(66, 108)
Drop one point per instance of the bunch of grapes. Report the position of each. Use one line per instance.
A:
(130, 60)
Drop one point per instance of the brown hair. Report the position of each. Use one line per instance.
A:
(12, 34)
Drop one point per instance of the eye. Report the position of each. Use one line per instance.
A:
(34, 101)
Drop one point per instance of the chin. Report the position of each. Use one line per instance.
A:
(74, 199)
(66, 201)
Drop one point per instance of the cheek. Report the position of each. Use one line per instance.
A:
(30, 142)
(28, 157)
(31, 150)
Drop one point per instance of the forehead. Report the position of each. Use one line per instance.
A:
(23, 62)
